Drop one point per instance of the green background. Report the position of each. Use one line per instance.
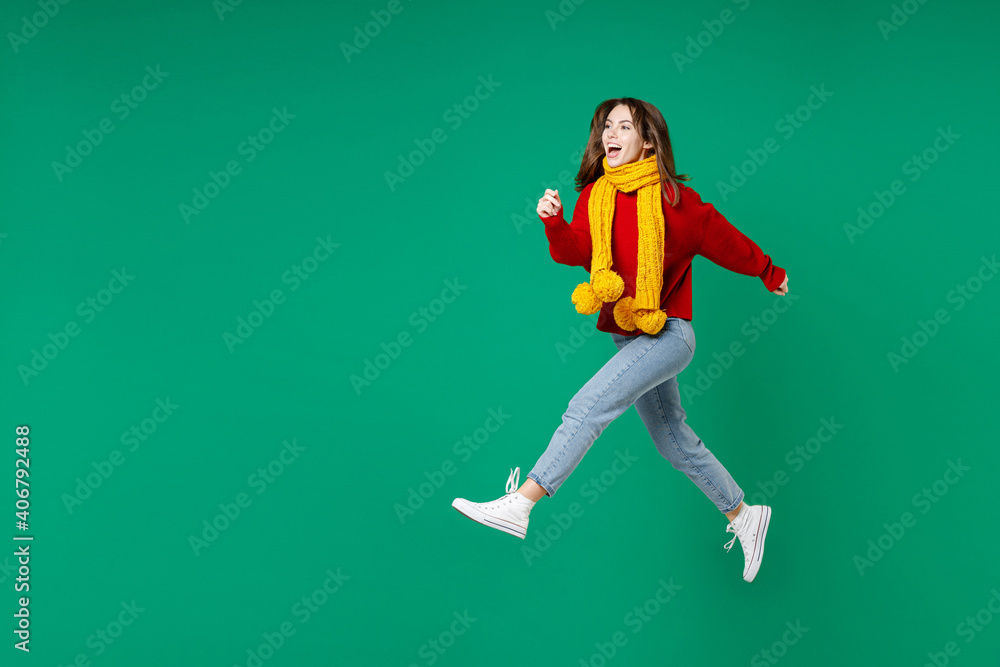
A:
(334, 508)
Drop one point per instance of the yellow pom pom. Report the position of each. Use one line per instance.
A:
(650, 321)
(623, 314)
(608, 285)
(586, 301)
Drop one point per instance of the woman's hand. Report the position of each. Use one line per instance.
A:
(549, 205)
(783, 287)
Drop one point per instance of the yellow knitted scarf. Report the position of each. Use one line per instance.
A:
(605, 285)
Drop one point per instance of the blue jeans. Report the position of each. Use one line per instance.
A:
(643, 372)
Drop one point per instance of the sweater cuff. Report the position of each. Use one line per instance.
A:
(772, 276)
(552, 220)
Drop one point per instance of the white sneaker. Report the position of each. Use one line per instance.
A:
(752, 530)
(508, 513)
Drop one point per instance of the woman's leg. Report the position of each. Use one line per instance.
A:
(642, 363)
(530, 489)
(661, 411)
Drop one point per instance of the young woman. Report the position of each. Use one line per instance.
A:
(636, 228)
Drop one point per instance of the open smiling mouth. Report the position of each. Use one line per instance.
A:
(614, 149)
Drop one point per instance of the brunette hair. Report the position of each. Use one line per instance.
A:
(649, 122)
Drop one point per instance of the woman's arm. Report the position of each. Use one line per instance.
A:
(726, 246)
(569, 243)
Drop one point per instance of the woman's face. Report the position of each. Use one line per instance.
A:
(621, 140)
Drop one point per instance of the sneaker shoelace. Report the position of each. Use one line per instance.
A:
(513, 480)
(731, 528)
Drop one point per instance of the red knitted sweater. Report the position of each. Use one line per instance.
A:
(693, 227)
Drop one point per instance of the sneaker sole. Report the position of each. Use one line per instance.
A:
(765, 521)
(466, 508)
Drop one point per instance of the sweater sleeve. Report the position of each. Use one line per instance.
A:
(569, 243)
(726, 246)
